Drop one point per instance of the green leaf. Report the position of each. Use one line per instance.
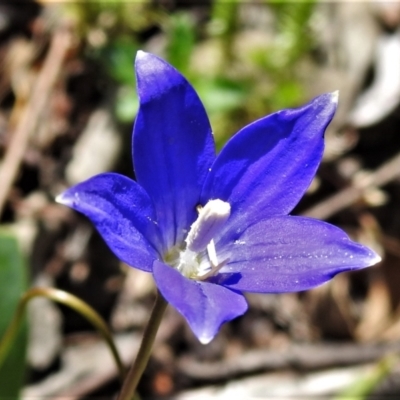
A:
(220, 95)
(181, 41)
(12, 285)
(119, 57)
(127, 104)
(362, 388)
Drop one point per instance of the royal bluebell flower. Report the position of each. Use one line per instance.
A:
(211, 227)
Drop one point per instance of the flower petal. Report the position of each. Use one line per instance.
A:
(265, 168)
(123, 214)
(204, 305)
(173, 147)
(288, 254)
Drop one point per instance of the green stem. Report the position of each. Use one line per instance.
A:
(135, 373)
(68, 300)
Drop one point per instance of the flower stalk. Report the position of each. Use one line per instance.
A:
(68, 300)
(136, 371)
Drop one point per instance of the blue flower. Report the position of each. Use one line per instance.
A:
(211, 227)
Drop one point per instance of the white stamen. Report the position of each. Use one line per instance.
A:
(212, 254)
(212, 271)
(209, 222)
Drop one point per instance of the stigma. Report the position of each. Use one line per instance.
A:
(211, 219)
(199, 260)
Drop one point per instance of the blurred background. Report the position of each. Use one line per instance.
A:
(67, 105)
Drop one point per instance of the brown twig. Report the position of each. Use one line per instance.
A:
(60, 43)
(303, 357)
(345, 198)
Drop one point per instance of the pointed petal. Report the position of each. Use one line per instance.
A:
(265, 168)
(288, 254)
(204, 305)
(123, 214)
(173, 147)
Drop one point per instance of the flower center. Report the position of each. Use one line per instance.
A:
(199, 259)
